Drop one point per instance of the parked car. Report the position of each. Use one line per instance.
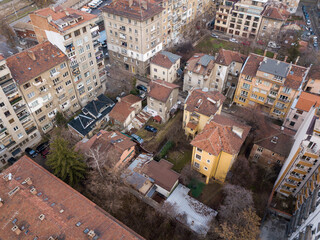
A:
(150, 129)
(308, 22)
(233, 40)
(43, 149)
(273, 44)
(214, 35)
(137, 139)
(142, 88)
(86, 9)
(315, 45)
(31, 153)
(12, 160)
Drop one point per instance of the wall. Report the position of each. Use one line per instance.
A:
(267, 158)
(298, 120)
(313, 86)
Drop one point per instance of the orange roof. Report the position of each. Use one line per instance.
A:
(1, 57)
(131, 99)
(226, 57)
(219, 135)
(295, 77)
(275, 13)
(307, 100)
(34, 61)
(203, 102)
(252, 64)
(161, 90)
(196, 65)
(191, 125)
(161, 59)
(62, 206)
(121, 111)
(139, 10)
(60, 15)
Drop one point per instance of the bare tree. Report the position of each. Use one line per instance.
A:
(187, 174)
(242, 173)
(97, 158)
(8, 32)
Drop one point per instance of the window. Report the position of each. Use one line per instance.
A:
(244, 93)
(65, 74)
(208, 161)
(53, 72)
(205, 168)
(84, 29)
(196, 165)
(63, 65)
(59, 89)
(256, 156)
(87, 74)
(292, 123)
(42, 118)
(246, 85)
(155, 69)
(198, 157)
(27, 85)
(254, 96)
(260, 149)
(16, 128)
(31, 95)
(11, 121)
(295, 116)
(20, 135)
(38, 111)
(261, 98)
(299, 111)
(77, 33)
(68, 82)
(199, 150)
(81, 50)
(241, 99)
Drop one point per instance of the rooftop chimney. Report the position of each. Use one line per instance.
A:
(31, 55)
(28, 181)
(1, 202)
(275, 56)
(265, 52)
(130, 3)
(49, 18)
(145, 4)
(297, 60)
(16, 230)
(33, 191)
(238, 131)
(285, 58)
(52, 8)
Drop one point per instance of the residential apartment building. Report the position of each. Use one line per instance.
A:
(216, 148)
(270, 84)
(292, 5)
(32, 197)
(273, 18)
(198, 72)
(199, 107)
(162, 98)
(43, 76)
(227, 68)
(165, 66)
(18, 130)
(134, 33)
(240, 18)
(76, 34)
(303, 160)
(300, 109)
(313, 83)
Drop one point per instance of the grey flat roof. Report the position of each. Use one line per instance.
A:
(204, 60)
(172, 57)
(274, 67)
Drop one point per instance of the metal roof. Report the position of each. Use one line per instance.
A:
(172, 57)
(204, 60)
(274, 67)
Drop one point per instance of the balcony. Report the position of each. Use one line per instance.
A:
(122, 28)
(31, 129)
(23, 116)
(3, 130)
(284, 100)
(39, 81)
(95, 35)
(19, 107)
(15, 100)
(10, 144)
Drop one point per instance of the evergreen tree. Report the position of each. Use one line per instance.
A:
(67, 164)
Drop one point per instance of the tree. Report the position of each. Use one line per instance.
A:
(293, 52)
(43, 3)
(242, 173)
(236, 199)
(66, 163)
(187, 174)
(246, 229)
(7, 31)
(60, 119)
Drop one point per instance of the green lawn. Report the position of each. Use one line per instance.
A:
(212, 45)
(179, 158)
(196, 188)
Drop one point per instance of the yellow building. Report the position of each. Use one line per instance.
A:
(270, 84)
(217, 146)
(199, 107)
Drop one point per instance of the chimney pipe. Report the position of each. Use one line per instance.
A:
(130, 3)
(275, 56)
(297, 60)
(31, 55)
(285, 58)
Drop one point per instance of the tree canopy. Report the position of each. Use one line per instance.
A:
(67, 164)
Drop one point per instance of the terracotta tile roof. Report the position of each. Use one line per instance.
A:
(62, 207)
(60, 15)
(314, 72)
(121, 111)
(307, 100)
(295, 77)
(137, 11)
(46, 56)
(198, 101)
(161, 90)
(1, 57)
(252, 64)
(191, 125)
(164, 59)
(281, 145)
(161, 173)
(218, 135)
(112, 144)
(131, 99)
(226, 57)
(275, 13)
(200, 63)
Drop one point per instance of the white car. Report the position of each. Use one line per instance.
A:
(86, 9)
(308, 22)
(273, 44)
(233, 40)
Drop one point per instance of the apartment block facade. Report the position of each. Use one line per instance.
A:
(292, 5)
(17, 128)
(240, 18)
(303, 160)
(271, 84)
(313, 83)
(134, 33)
(44, 78)
(76, 34)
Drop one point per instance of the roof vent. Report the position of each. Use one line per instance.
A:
(28, 181)
(211, 100)
(16, 229)
(238, 131)
(41, 217)
(1, 202)
(91, 234)
(29, 68)
(205, 89)
(199, 103)
(31, 55)
(274, 139)
(51, 238)
(33, 191)
(61, 211)
(13, 191)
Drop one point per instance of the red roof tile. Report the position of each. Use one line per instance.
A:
(60, 13)
(46, 56)
(194, 64)
(131, 99)
(295, 77)
(252, 64)
(161, 90)
(121, 111)
(314, 72)
(226, 57)
(307, 100)
(162, 60)
(62, 207)
(201, 102)
(136, 11)
(218, 135)
(275, 13)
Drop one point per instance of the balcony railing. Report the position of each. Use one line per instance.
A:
(15, 100)
(30, 130)
(10, 144)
